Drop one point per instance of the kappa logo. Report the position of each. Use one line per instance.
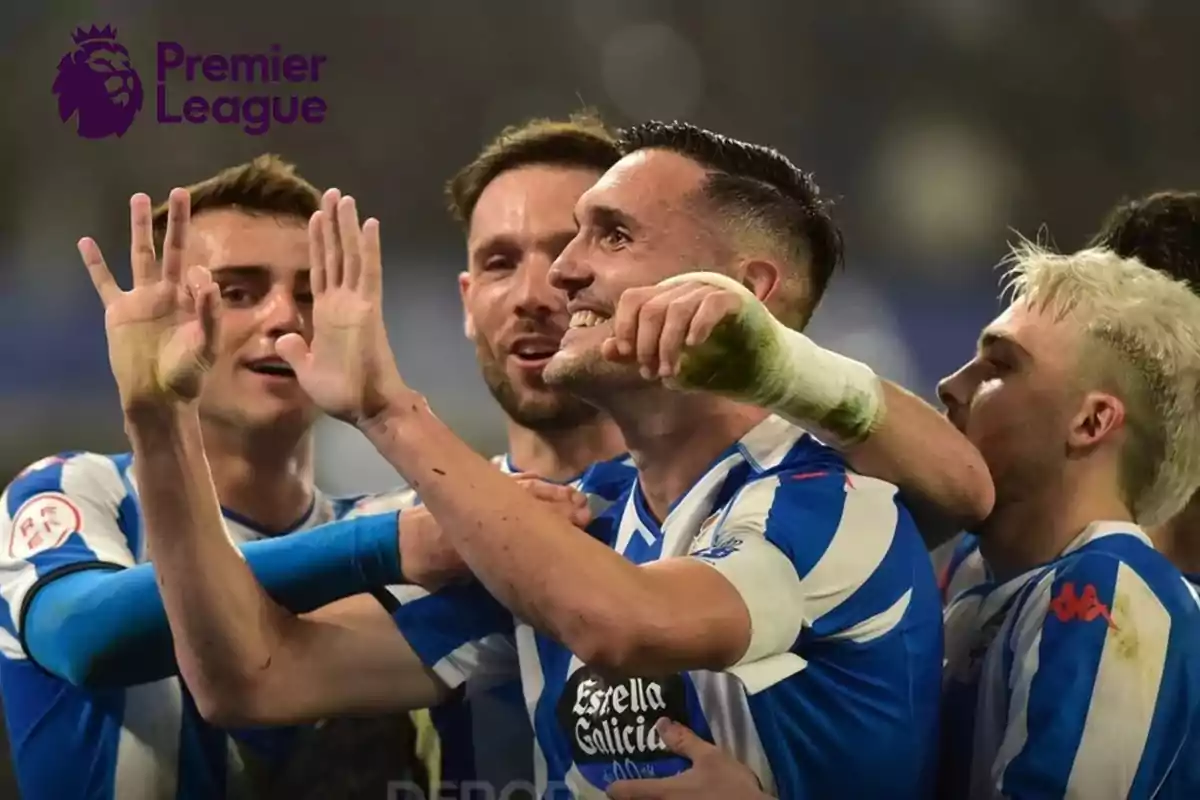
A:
(1086, 607)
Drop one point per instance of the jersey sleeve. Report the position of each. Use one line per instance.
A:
(1096, 686)
(460, 632)
(61, 514)
(828, 552)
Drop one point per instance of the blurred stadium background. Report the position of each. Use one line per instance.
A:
(940, 126)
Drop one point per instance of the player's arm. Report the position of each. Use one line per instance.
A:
(943, 478)
(61, 523)
(245, 658)
(1093, 713)
(609, 612)
(104, 627)
(883, 430)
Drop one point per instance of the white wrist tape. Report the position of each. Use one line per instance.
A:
(781, 369)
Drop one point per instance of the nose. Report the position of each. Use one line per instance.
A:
(284, 315)
(570, 273)
(956, 390)
(532, 293)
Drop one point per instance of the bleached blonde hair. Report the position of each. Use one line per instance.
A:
(1141, 341)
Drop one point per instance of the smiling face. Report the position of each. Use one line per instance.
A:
(640, 224)
(260, 263)
(516, 319)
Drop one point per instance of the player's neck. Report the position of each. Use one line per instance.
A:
(266, 478)
(1032, 530)
(1179, 538)
(563, 455)
(674, 437)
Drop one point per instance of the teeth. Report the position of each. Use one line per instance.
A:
(586, 319)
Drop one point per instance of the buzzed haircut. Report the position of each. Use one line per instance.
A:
(760, 186)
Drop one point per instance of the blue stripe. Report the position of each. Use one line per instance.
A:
(555, 660)
(436, 625)
(72, 550)
(1061, 691)
(47, 479)
(805, 515)
(203, 756)
(63, 740)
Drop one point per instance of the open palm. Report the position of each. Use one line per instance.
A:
(348, 370)
(160, 332)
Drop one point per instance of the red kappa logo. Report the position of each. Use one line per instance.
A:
(1086, 607)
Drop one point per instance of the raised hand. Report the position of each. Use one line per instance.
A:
(348, 369)
(162, 331)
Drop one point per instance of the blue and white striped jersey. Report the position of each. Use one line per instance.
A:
(1077, 679)
(964, 569)
(485, 736)
(79, 511)
(837, 695)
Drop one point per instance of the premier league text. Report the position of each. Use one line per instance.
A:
(284, 75)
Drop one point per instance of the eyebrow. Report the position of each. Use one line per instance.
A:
(608, 216)
(247, 270)
(993, 339)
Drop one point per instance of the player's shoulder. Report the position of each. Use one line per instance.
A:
(609, 479)
(1119, 571)
(73, 474)
(816, 484)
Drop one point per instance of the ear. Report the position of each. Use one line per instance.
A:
(764, 278)
(464, 286)
(1100, 415)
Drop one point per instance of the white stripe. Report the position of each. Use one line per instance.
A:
(1125, 693)
(882, 623)
(1005, 725)
(723, 701)
(96, 479)
(864, 535)
(532, 685)
(10, 646)
(148, 744)
(482, 664)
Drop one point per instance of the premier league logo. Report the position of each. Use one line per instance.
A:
(97, 82)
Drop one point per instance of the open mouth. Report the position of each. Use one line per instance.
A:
(274, 367)
(534, 353)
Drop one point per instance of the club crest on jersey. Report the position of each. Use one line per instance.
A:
(610, 725)
(41, 523)
(719, 550)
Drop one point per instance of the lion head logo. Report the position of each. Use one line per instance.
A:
(97, 81)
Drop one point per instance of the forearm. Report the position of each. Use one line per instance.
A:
(225, 625)
(941, 475)
(104, 628)
(537, 564)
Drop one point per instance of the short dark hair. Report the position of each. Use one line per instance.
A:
(582, 140)
(761, 185)
(1162, 230)
(266, 185)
